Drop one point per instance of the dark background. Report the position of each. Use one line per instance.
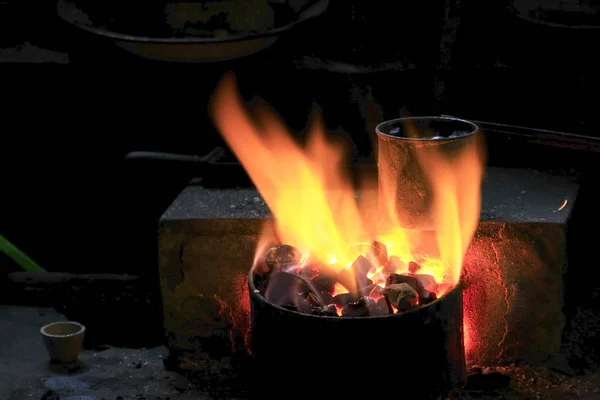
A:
(71, 201)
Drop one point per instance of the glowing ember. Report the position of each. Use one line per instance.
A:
(317, 212)
(564, 204)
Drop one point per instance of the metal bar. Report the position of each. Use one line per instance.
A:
(542, 136)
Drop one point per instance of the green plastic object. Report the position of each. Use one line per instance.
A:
(18, 256)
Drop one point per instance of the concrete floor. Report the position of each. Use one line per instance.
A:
(123, 374)
(25, 371)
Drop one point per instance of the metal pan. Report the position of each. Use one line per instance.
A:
(151, 38)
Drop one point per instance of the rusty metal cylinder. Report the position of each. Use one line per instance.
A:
(402, 178)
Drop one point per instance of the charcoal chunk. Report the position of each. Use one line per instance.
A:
(319, 298)
(427, 299)
(376, 292)
(427, 281)
(379, 252)
(411, 280)
(359, 308)
(380, 308)
(329, 310)
(402, 296)
(299, 304)
(282, 257)
(367, 290)
(322, 269)
(361, 266)
(309, 272)
(399, 278)
(346, 279)
(343, 299)
(413, 267)
(324, 283)
(385, 305)
(285, 288)
(355, 277)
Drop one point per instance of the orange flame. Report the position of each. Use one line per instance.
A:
(314, 203)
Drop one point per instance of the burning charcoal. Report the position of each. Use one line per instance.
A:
(367, 290)
(413, 267)
(319, 268)
(401, 295)
(286, 288)
(281, 257)
(399, 278)
(326, 298)
(380, 308)
(413, 281)
(309, 272)
(423, 300)
(343, 299)
(427, 281)
(347, 280)
(355, 277)
(376, 291)
(361, 266)
(324, 283)
(328, 311)
(379, 251)
(330, 270)
(351, 283)
(385, 305)
(359, 308)
(319, 298)
(395, 265)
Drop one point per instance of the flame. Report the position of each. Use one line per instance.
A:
(339, 289)
(456, 184)
(314, 202)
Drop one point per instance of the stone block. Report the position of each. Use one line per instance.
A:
(513, 292)
(512, 273)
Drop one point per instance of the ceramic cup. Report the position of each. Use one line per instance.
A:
(63, 340)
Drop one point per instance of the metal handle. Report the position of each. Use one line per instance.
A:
(542, 136)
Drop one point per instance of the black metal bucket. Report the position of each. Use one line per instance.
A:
(420, 352)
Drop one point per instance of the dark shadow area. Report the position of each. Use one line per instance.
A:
(76, 103)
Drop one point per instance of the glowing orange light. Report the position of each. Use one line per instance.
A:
(564, 204)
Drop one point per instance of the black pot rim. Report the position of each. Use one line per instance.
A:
(385, 126)
(256, 293)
